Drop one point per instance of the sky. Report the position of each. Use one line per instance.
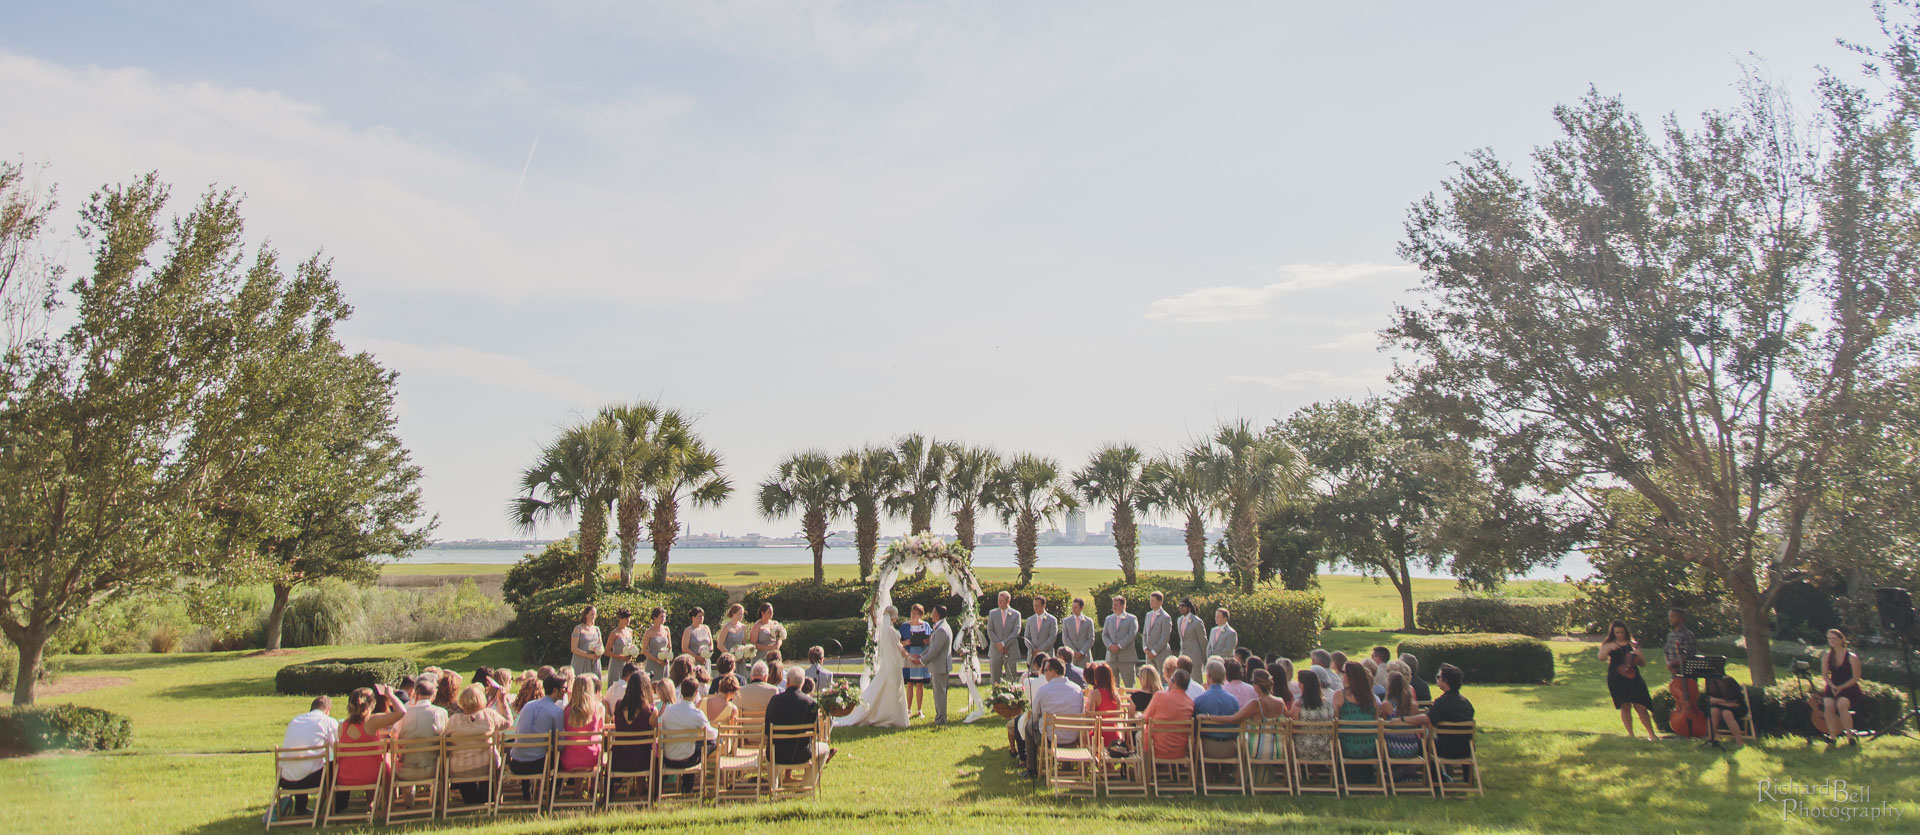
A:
(1040, 226)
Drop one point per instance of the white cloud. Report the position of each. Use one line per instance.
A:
(1229, 304)
(1298, 380)
(1357, 339)
(484, 368)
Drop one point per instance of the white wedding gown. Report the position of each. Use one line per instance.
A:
(883, 697)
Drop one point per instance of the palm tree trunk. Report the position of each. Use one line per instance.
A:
(1126, 539)
(631, 509)
(963, 526)
(1026, 542)
(665, 529)
(277, 616)
(1243, 539)
(593, 537)
(866, 535)
(920, 518)
(814, 523)
(1197, 546)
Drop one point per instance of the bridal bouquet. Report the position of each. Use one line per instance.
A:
(743, 657)
(838, 698)
(1007, 699)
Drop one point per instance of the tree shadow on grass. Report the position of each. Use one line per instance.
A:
(220, 689)
(127, 663)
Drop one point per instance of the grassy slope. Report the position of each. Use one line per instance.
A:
(1554, 754)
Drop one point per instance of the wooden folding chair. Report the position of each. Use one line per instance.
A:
(752, 724)
(1746, 719)
(342, 752)
(1219, 774)
(737, 765)
(689, 783)
(461, 751)
(1418, 779)
(1073, 769)
(531, 794)
(1469, 781)
(1308, 763)
(1125, 773)
(576, 788)
(779, 780)
(1264, 746)
(417, 766)
(629, 788)
(1171, 775)
(316, 796)
(1354, 766)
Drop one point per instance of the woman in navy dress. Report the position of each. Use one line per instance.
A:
(914, 635)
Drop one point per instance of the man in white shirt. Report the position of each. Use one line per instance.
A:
(1194, 687)
(685, 715)
(617, 689)
(1058, 697)
(310, 729)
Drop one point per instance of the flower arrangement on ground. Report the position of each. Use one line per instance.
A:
(838, 698)
(1007, 699)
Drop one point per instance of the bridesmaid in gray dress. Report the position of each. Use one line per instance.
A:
(697, 639)
(733, 630)
(621, 649)
(586, 645)
(658, 644)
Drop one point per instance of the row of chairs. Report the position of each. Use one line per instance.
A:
(741, 767)
(1267, 758)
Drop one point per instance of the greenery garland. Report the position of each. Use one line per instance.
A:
(929, 551)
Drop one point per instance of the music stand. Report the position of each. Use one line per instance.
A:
(1705, 666)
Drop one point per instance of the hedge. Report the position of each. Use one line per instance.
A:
(1057, 599)
(1174, 587)
(544, 622)
(336, 676)
(35, 728)
(1782, 710)
(1539, 618)
(799, 600)
(838, 636)
(684, 593)
(1485, 659)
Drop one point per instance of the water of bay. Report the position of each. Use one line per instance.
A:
(1152, 558)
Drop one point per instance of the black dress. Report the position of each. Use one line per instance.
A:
(1624, 689)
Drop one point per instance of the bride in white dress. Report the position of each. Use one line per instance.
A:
(883, 695)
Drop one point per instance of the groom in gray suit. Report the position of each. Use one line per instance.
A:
(938, 659)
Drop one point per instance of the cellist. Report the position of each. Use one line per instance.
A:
(1686, 719)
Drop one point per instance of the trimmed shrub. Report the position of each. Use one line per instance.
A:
(35, 728)
(336, 676)
(839, 636)
(1485, 659)
(1495, 615)
(683, 593)
(1782, 710)
(804, 599)
(544, 622)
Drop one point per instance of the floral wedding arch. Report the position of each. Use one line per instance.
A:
(939, 557)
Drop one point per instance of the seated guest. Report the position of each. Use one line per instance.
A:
(1245, 657)
(1398, 705)
(1322, 666)
(663, 693)
(538, 717)
(816, 669)
(363, 725)
(719, 706)
(530, 692)
(1727, 706)
(471, 770)
(1037, 665)
(1074, 674)
(1449, 706)
(679, 669)
(1058, 697)
(684, 715)
(1031, 682)
(1101, 697)
(311, 729)
(1286, 687)
(1149, 685)
(1380, 656)
(753, 697)
(793, 707)
(1194, 688)
(634, 713)
(1216, 701)
(1374, 675)
(446, 690)
(424, 720)
(1420, 690)
(1172, 705)
(1236, 685)
(585, 719)
(723, 667)
(1357, 703)
(1337, 664)
(776, 674)
(1315, 705)
(617, 689)
(1266, 705)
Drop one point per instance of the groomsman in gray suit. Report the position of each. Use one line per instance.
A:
(1119, 634)
(1224, 640)
(1193, 635)
(1076, 631)
(1042, 631)
(938, 659)
(1003, 629)
(1156, 631)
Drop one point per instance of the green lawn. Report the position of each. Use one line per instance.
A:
(1554, 754)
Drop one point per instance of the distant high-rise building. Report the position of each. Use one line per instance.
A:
(1076, 527)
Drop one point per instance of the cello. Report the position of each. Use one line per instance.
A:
(1687, 719)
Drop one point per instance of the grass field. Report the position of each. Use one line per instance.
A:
(1555, 760)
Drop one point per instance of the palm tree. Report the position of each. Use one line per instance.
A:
(810, 483)
(968, 479)
(871, 475)
(923, 473)
(1113, 477)
(681, 468)
(578, 473)
(1252, 471)
(635, 423)
(1028, 491)
(1180, 485)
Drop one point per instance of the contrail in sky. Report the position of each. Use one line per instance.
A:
(523, 171)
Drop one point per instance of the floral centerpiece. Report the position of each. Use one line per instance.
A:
(838, 698)
(1007, 699)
